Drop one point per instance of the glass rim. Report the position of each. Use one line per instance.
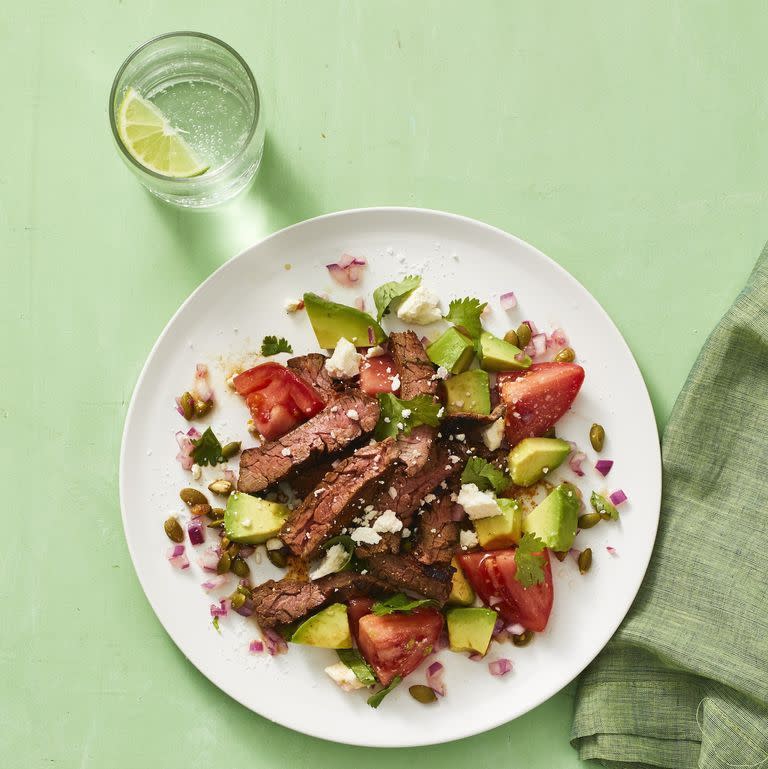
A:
(113, 94)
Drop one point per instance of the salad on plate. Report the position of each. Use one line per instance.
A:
(405, 485)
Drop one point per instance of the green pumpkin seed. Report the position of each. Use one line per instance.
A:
(241, 568)
(224, 543)
(245, 590)
(511, 337)
(237, 599)
(202, 408)
(422, 694)
(187, 403)
(216, 513)
(566, 355)
(191, 497)
(233, 550)
(588, 520)
(597, 436)
(216, 524)
(222, 567)
(229, 450)
(523, 335)
(585, 560)
(173, 530)
(278, 558)
(221, 487)
(523, 639)
(198, 510)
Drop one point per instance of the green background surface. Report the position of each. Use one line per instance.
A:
(626, 140)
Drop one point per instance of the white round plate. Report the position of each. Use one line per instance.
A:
(226, 318)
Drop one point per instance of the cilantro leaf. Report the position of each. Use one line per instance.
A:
(354, 661)
(601, 505)
(375, 699)
(215, 623)
(207, 449)
(530, 559)
(387, 293)
(399, 602)
(398, 415)
(466, 314)
(484, 475)
(272, 345)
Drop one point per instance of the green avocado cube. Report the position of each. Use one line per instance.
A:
(470, 630)
(328, 629)
(462, 593)
(252, 520)
(533, 458)
(468, 393)
(498, 355)
(555, 519)
(452, 350)
(331, 321)
(501, 530)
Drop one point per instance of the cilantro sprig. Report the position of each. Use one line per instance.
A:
(466, 313)
(271, 345)
(387, 293)
(484, 475)
(354, 661)
(207, 449)
(530, 558)
(397, 415)
(601, 505)
(375, 699)
(399, 602)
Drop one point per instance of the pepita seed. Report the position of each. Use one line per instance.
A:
(278, 558)
(221, 486)
(230, 449)
(203, 509)
(216, 513)
(173, 530)
(240, 567)
(422, 694)
(222, 567)
(523, 639)
(597, 436)
(566, 355)
(585, 560)
(523, 335)
(187, 403)
(202, 408)
(237, 600)
(588, 520)
(511, 337)
(192, 497)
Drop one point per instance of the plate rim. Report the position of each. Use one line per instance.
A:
(540, 697)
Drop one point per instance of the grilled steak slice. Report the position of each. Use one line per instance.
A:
(438, 536)
(404, 572)
(341, 495)
(415, 449)
(288, 600)
(326, 433)
(311, 368)
(413, 365)
(305, 479)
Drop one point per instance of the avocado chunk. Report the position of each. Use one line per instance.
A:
(498, 355)
(252, 520)
(554, 519)
(331, 321)
(452, 350)
(328, 629)
(468, 393)
(462, 593)
(501, 530)
(470, 630)
(533, 458)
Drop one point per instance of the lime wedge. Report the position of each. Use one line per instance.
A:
(152, 141)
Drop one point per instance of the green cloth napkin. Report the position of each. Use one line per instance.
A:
(684, 682)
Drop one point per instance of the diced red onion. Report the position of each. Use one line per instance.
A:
(246, 608)
(442, 641)
(222, 609)
(178, 405)
(508, 301)
(186, 447)
(476, 656)
(348, 270)
(230, 476)
(557, 338)
(256, 647)
(202, 387)
(539, 343)
(177, 557)
(603, 466)
(209, 559)
(611, 550)
(196, 532)
(435, 678)
(275, 643)
(500, 667)
(618, 497)
(360, 303)
(371, 335)
(498, 627)
(575, 461)
(215, 582)
(516, 629)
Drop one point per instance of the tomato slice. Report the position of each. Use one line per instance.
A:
(278, 399)
(357, 608)
(538, 397)
(376, 375)
(396, 644)
(493, 577)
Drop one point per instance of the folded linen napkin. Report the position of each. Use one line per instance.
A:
(684, 682)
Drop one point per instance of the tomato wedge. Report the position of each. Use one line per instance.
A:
(537, 398)
(277, 398)
(493, 577)
(376, 375)
(357, 608)
(396, 644)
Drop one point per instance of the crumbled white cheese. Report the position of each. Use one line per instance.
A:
(406, 413)
(376, 351)
(274, 544)
(420, 307)
(387, 522)
(476, 503)
(493, 435)
(405, 533)
(440, 412)
(335, 558)
(366, 535)
(353, 415)
(429, 498)
(461, 437)
(344, 677)
(345, 361)
(441, 373)
(293, 305)
(454, 459)
(392, 491)
(395, 382)
(286, 452)
(468, 539)
(197, 471)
